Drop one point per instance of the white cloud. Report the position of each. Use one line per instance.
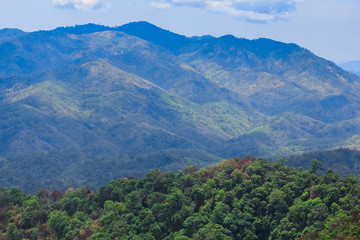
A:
(249, 10)
(160, 5)
(81, 4)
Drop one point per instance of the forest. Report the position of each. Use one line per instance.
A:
(236, 199)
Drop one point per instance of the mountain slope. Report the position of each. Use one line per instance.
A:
(343, 161)
(278, 77)
(95, 113)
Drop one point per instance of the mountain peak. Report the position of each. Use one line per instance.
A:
(10, 32)
(140, 24)
(152, 33)
(83, 29)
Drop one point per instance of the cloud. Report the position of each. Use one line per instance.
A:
(160, 5)
(260, 11)
(81, 4)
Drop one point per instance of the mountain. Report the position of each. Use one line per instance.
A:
(149, 32)
(277, 77)
(353, 67)
(10, 32)
(90, 103)
(343, 161)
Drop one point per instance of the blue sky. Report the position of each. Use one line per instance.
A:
(329, 28)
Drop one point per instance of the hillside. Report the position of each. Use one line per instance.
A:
(109, 100)
(237, 199)
(343, 161)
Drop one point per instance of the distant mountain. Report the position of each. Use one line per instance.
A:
(10, 32)
(92, 103)
(343, 161)
(353, 67)
(149, 32)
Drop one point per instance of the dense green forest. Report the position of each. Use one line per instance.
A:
(237, 199)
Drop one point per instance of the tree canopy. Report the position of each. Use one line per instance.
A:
(237, 199)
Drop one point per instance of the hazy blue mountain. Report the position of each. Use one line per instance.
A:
(353, 67)
(149, 32)
(10, 32)
(120, 101)
(343, 161)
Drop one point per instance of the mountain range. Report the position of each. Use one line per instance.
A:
(90, 103)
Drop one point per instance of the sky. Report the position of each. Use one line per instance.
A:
(328, 28)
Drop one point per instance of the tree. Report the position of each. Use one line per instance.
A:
(315, 166)
(58, 220)
(194, 222)
(277, 205)
(213, 231)
(31, 212)
(16, 196)
(12, 232)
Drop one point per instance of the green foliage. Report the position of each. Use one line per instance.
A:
(16, 196)
(58, 222)
(12, 232)
(342, 226)
(237, 199)
(315, 166)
